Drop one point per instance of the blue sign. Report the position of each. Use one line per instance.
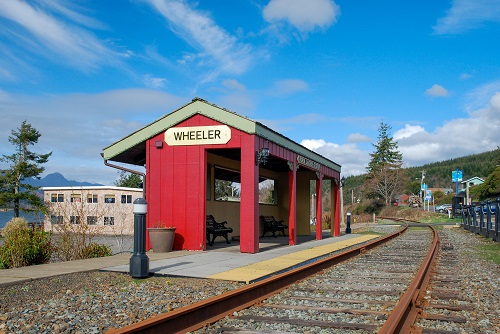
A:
(456, 176)
(424, 186)
(428, 195)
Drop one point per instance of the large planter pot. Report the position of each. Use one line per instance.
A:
(162, 239)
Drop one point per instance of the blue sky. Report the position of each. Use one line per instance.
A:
(323, 73)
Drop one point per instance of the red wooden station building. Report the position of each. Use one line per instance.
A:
(189, 153)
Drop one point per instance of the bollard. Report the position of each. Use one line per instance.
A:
(139, 262)
(488, 218)
(348, 228)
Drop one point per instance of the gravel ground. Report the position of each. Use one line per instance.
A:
(95, 301)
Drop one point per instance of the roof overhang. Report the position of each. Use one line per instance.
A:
(132, 149)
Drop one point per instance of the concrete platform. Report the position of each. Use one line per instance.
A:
(229, 264)
(220, 261)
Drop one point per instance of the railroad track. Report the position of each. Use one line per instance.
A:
(377, 290)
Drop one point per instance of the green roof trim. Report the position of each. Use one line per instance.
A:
(224, 116)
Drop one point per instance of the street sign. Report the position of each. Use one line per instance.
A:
(456, 176)
(424, 186)
(428, 195)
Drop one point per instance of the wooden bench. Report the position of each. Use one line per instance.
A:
(215, 230)
(272, 225)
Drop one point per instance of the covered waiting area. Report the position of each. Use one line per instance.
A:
(202, 159)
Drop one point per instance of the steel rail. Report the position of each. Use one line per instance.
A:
(407, 309)
(200, 314)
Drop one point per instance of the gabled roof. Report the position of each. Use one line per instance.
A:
(132, 149)
(474, 179)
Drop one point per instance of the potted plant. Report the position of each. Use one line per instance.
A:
(161, 237)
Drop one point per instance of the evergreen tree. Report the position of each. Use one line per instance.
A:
(23, 164)
(386, 151)
(129, 180)
(385, 173)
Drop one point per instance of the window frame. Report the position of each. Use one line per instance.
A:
(109, 199)
(92, 198)
(128, 199)
(109, 221)
(75, 198)
(91, 220)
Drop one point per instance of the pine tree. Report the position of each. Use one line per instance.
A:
(386, 151)
(23, 164)
(385, 173)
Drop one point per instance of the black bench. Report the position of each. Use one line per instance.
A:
(272, 225)
(215, 230)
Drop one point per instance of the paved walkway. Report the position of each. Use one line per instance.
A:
(219, 262)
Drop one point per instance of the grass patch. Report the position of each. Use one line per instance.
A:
(490, 252)
(368, 231)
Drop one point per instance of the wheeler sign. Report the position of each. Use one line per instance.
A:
(198, 135)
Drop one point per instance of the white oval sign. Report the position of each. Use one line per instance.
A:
(198, 135)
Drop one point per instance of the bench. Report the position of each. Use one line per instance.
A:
(272, 225)
(215, 229)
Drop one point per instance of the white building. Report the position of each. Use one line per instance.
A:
(100, 209)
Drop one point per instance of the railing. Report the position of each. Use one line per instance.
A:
(482, 218)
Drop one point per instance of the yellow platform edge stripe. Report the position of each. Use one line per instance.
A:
(264, 268)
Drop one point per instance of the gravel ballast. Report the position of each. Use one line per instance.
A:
(93, 302)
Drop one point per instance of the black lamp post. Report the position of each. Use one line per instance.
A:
(348, 228)
(139, 262)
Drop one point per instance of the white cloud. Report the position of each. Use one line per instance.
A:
(478, 132)
(437, 90)
(305, 16)
(407, 131)
(358, 138)
(155, 83)
(465, 76)
(81, 125)
(38, 31)
(465, 15)
(352, 159)
(233, 85)
(313, 144)
(481, 95)
(288, 87)
(217, 48)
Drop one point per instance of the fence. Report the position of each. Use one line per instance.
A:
(482, 218)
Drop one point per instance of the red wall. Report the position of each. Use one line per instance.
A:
(176, 185)
(176, 179)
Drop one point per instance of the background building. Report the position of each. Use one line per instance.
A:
(102, 209)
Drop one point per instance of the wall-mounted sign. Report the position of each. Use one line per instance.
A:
(308, 162)
(198, 135)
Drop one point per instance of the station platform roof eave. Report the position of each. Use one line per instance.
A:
(132, 149)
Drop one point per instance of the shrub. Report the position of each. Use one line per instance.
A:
(24, 246)
(95, 250)
(326, 221)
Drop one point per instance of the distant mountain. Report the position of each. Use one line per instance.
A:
(58, 180)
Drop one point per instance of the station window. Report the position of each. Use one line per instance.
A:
(91, 198)
(126, 199)
(56, 219)
(54, 198)
(267, 191)
(74, 219)
(75, 198)
(91, 220)
(109, 220)
(109, 198)
(227, 184)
